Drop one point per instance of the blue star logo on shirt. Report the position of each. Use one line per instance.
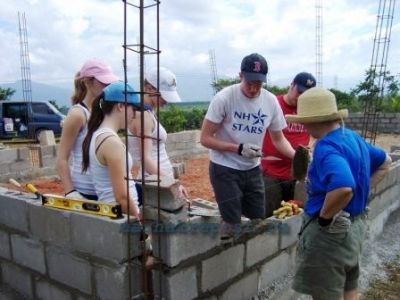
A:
(259, 118)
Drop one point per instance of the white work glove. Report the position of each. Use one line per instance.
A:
(74, 195)
(249, 150)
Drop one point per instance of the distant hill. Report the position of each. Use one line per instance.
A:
(190, 88)
(42, 92)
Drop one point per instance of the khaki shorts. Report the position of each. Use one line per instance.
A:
(328, 263)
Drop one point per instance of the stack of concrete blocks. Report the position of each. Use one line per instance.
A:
(162, 199)
(388, 122)
(48, 253)
(184, 145)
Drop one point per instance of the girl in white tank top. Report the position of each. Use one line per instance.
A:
(103, 150)
(166, 93)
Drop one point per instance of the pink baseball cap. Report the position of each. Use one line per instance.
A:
(99, 70)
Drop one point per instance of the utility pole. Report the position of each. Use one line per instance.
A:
(213, 68)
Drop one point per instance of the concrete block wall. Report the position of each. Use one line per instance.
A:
(48, 253)
(185, 144)
(388, 122)
(54, 254)
(198, 266)
(27, 162)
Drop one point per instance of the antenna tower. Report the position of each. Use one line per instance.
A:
(25, 64)
(376, 75)
(318, 42)
(213, 68)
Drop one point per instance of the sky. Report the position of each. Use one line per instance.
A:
(63, 34)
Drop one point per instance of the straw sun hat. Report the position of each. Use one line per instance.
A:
(317, 105)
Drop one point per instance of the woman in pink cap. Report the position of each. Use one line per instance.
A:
(89, 83)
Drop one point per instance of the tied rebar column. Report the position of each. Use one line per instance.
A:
(141, 49)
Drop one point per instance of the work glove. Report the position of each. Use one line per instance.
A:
(74, 195)
(249, 150)
(340, 223)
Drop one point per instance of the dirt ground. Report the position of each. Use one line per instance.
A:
(196, 178)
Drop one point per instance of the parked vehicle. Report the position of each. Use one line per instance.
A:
(28, 119)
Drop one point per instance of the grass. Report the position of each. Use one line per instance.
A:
(387, 288)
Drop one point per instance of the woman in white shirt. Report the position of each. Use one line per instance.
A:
(105, 153)
(89, 83)
(154, 133)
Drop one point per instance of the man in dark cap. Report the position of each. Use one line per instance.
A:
(276, 168)
(233, 130)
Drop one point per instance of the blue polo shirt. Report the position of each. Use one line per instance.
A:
(342, 159)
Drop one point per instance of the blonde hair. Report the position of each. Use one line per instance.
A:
(80, 90)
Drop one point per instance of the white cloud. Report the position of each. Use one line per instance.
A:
(64, 33)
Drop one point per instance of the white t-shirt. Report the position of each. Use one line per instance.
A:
(243, 120)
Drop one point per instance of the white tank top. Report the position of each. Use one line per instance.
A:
(134, 148)
(82, 182)
(100, 174)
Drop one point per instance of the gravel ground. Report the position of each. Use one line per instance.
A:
(376, 254)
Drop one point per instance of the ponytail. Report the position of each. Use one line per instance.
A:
(80, 90)
(100, 109)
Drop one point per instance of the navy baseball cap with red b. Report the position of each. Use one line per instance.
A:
(254, 67)
(304, 81)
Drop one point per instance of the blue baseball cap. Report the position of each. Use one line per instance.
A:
(254, 67)
(304, 81)
(115, 92)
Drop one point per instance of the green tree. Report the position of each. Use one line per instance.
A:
(5, 94)
(346, 100)
(172, 118)
(276, 90)
(222, 83)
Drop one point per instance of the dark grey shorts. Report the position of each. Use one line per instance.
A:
(328, 263)
(238, 192)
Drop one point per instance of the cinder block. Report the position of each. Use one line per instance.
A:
(262, 246)
(184, 241)
(169, 193)
(50, 225)
(17, 278)
(4, 245)
(28, 253)
(112, 280)
(8, 156)
(103, 237)
(244, 288)
(46, 137)
(274, 269)
(174, 218)
(204, 203)
(19, 166)
(288, 229)
(70, 270)
(13, 211)
(222, 267)
(180, 285)
(47, 291)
